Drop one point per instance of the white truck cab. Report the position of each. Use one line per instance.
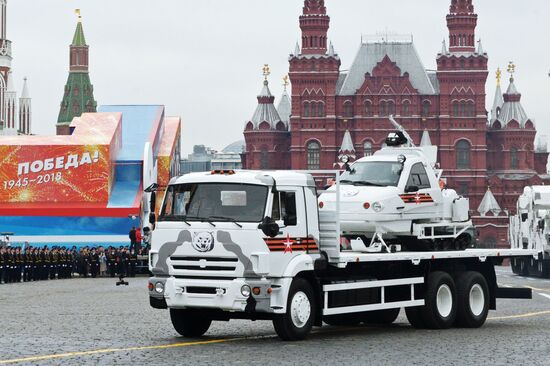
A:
(255, 245)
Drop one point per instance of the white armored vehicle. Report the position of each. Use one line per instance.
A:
(254, 245)
(397, 196)
(530, 229)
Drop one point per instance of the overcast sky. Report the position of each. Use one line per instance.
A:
(202, 59)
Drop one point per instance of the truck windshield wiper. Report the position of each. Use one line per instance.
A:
(226, 219)
(201, 219)
(346, 181)
(365, 183)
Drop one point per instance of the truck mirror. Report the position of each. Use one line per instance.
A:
(269, 227)
(541, 225)
(524, 217)
(152, 218)
(411, 189)
(153, 202)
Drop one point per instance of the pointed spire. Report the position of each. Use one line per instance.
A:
(498, 100)
(79, 39)
(25, 93)
(347, 144)
(512, 110)
(297, 49)
(489, 204)
(266, 111)
(480, 50)
(426, 140)
(444, 48)
(331, 50)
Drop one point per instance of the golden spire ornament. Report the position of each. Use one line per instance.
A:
(77, 12)
(499, 75)
(511, 70)
(266, 71)
(286, 81)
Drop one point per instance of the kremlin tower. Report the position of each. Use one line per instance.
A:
(79, 91)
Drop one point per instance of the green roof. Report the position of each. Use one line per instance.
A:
(78, 39)
(78, 97)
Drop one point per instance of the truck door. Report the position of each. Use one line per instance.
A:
(289, 212)
(420, 196)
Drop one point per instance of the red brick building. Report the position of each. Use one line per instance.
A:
(333, 110)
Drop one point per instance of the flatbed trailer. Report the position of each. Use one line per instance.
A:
(267, 252)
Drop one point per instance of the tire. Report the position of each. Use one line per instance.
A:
(298, 320)
(472, 300)
(514, 262)
(385, 317)
(439, 311)
(546, 268)
(414, 316)
(189, 323)
(523, 267)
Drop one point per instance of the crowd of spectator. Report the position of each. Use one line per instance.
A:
(27, 263)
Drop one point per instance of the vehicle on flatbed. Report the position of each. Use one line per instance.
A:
(530, 229)
(255, 245)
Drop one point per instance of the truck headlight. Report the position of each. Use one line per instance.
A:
(377, 207)
(159, 287)
(245, 290)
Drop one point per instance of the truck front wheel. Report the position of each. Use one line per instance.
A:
(297, 322)
(189, 323)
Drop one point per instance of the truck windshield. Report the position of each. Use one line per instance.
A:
(214, 202)
(373, 173)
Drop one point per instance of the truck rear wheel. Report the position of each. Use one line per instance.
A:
(189, 323)
(514, 262)
(301, 310)
(439, 311)
(473, 300)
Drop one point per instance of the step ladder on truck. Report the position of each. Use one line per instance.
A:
(261, 245)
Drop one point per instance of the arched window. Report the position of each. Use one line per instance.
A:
(321, 109)
(367, 148)
(455, 109)
(514, 160)
(368, 108)
(76, 91)
(383, 109)
(391, 108)
(463, 154)
(463, 109)
(307, 111)
(425, 108)
(470, 109)
(406, 108)
(313, 155)
(348, 109)
(313, 109)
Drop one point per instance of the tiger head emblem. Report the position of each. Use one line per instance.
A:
(203, 242)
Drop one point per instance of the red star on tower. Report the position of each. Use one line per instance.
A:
(288, 244)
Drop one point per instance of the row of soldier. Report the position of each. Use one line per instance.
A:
(36, 264)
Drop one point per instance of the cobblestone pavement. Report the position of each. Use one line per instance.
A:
(91, 321)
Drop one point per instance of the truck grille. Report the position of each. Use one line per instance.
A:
(218, 265)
